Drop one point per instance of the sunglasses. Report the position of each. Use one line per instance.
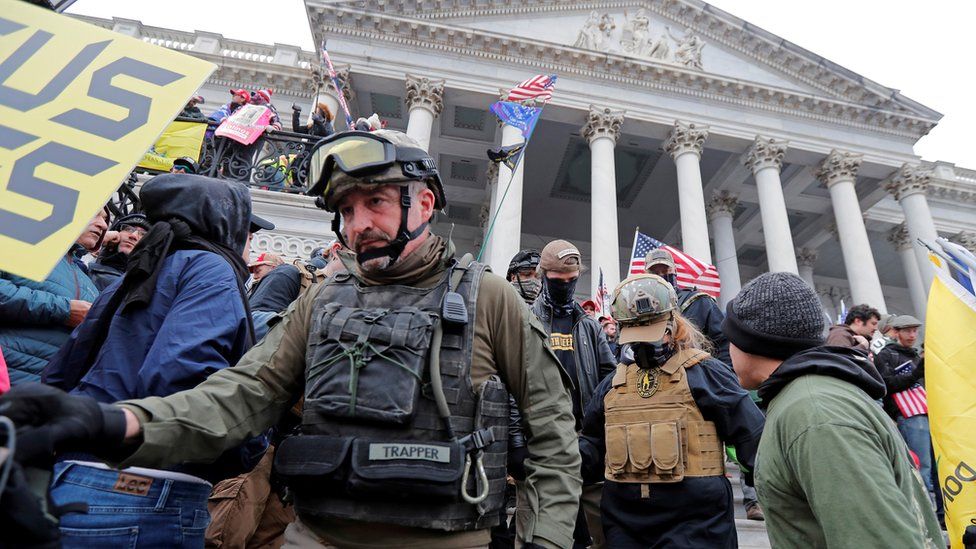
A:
(133, 230)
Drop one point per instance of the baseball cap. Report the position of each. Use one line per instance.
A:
(187, 163)
(241, 92)
(267, 258)
(258, 223)
(905, 321)
(561, 256)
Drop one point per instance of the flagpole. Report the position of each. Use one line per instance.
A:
(498, 207)
(335, 82)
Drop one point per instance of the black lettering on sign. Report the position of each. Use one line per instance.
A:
(101, 88)
(62, 199)
(24, 101)
(952, 486)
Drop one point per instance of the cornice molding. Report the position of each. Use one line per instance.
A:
(766, 152)
(602, 122)
(717, 26)
(425, 93)
(839, 166)
(908, 180)
(376, 26)
(686, 137)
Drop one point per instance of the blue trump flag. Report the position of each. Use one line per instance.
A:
(517, 116)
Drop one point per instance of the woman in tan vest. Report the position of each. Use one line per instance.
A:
(655, 429)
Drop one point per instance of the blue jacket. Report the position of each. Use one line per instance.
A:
(32, 316)
(195, 325)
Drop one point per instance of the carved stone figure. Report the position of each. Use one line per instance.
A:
(589, 36)
(606, 29)
(688, 52)
(659, 49)
(636, 33)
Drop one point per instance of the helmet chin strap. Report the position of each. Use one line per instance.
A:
(396, 246)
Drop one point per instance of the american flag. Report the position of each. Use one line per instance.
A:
(691, 273)
(602, 297)
(538, 87)
(912, 401)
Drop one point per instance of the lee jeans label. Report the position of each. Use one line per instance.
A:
(133, 484)
(426, 452)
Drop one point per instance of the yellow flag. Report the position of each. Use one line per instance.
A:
(950, 381)
(79, 105)
(178, 140)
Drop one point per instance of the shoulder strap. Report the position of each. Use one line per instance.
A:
(620, 376)
(462, 266)
(686, 358)
(691, 298)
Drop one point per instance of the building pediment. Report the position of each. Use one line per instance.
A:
(682, 45)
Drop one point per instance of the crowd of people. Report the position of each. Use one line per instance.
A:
(388, 391)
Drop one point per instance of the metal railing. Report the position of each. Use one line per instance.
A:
(277, 161)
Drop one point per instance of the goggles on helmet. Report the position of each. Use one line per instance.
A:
(360, 154)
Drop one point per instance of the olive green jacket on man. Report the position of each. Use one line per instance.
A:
(242, 401)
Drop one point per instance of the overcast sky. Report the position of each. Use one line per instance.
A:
(923, 49)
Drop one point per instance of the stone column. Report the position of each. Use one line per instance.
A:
(425, 100)
(685, 144)
(838, 172)
(506, 237)
(602, 129)
(765, 160)
(898, 236)
(908, 186)
(721, 208)
(806, 258)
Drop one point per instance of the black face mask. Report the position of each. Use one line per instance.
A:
(560, 292)
(652, 355)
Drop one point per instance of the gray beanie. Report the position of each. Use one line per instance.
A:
(775, 315)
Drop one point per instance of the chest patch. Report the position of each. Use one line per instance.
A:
(647, 383)
(426, 452)
(561, 342)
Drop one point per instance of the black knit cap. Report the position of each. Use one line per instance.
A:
(775, 315)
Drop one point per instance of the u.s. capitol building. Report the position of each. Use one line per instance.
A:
(704, 131)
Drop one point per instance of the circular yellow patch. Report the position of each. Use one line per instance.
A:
(647, 383)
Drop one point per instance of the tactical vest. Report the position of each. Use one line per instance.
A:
(378, 442)
(654, 430)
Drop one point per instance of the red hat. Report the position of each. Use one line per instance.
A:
(266, 258)
(265, 94)
(590, 303)
(241, 92)
(607, 320)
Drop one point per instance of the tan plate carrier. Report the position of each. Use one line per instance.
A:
(661, 437)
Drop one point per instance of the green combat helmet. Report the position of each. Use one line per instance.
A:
(644, 305)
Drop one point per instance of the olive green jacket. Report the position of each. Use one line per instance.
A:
(242, 401)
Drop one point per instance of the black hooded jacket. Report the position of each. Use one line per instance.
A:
(887, 361)
(844, 363)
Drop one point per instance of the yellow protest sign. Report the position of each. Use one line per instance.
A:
(79, 105)
(950, 364)
(179, 139)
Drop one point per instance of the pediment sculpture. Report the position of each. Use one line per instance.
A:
(639, 40)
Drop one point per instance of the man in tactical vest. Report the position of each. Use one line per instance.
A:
(655, 429)
(405, 364)
(695, 305)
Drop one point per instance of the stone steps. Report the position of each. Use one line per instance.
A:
(751, 533)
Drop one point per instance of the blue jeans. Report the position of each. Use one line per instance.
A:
(129, 511)
(915, 431)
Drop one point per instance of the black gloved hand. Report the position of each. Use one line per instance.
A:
(22, 520)
(516, 461)
(48, 420)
